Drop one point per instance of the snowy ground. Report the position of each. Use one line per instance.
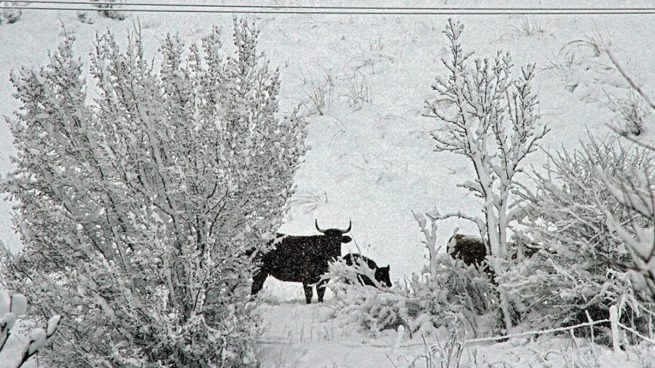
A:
(299, 335)
(374, 165)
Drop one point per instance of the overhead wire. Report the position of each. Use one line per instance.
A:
(154, 7)
(326, 7)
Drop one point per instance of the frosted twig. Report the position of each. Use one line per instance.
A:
(437, 216)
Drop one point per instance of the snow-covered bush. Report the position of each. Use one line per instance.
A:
(446, 294)
(488, 116)
(137, 200)
(585, 264)
(636, 193)
(11, 308)
(374, 311)
(451, 293)
(456, 297)
(344, 274)
(372, 308)
(8, 12)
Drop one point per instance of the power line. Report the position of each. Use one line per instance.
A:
(326, 10)
(258, 11)
(322, 7)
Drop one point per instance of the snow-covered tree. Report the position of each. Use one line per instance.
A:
(595, 244)
(138, 197)
(487, 116)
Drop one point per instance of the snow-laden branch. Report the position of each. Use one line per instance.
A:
(638, 195)
(472, 185)
(11, 308)
(429, 232)
(435, 215)
(628, 78)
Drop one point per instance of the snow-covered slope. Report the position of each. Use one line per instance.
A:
(374, 164)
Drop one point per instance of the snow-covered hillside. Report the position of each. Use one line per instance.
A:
(371, 158)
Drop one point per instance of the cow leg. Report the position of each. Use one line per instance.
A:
(308, 292)
(258, 282)
(320, 290)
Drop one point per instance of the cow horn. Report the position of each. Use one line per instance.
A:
(350, 225)
(318, 228)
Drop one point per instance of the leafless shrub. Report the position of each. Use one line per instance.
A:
(369, 56)
(319, 94)
(358, 92)
(630, 114)
(527, 29)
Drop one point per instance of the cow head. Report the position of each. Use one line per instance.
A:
(382, 276)
(335, 233)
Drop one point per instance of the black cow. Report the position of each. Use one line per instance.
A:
(381, 273)
(301, 259)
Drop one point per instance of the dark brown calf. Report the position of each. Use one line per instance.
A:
(472, 251)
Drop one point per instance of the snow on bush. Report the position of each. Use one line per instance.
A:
(451, 293)
(459, 298)
(446, 294)
(636, 193)
(372, 308)
(487, 115)
(345, 274)
(11, 308)
(136, 209)
(585, 264)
